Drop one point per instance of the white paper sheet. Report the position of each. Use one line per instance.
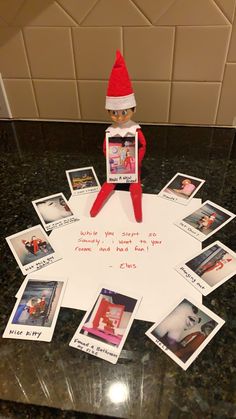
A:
(149, 272)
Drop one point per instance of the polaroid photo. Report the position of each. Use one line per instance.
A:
(35, 313)
(205, 221)
(32, 249)
(210, 268)
(54, 211)
(106, 324)
(122, 159)
(185, 331)
(181, 188)
(82, 181)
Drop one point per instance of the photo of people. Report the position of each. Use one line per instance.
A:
(31, 245)
(38, 303)
(82, 180)
(205, 221)
(181, 188)
(52, 208)
(109, 317)
(185, 331)
(121, 158)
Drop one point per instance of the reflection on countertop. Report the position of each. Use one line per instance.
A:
(145, 383)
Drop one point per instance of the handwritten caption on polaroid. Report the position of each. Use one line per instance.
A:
(61, 223)
(169, 197)
(35, 266)
(90, 241)
(85, 190)
(188, 274)
(190, 230)
(101, 351)
(160, 344)
(25, 333)
(122, 178)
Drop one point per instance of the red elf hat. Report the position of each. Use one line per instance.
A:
(120, 93)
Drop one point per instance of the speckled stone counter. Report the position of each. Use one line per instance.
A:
(52, 379)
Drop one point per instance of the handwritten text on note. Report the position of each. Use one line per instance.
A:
(116, 242)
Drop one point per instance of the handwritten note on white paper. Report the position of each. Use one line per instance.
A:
(114, 249)
(116, 242)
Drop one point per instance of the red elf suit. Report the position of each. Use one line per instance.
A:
(120, 97)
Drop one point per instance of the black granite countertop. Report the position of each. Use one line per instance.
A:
(39, 379)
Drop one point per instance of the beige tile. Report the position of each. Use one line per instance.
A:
(92, 100)
(57, 99)
(9, 9)
(115, 13)
(194, 103)
(227, 7)
(42, 13)
(152, 101)
(153, 9)
(21, 98)
(232, 46)
(50, 52)
(77, 9)
(200, 53)
(95, 51)
(155, 52)
(192, 12)
(13, 60)
(227, 104)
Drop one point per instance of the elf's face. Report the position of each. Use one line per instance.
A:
(122, 116)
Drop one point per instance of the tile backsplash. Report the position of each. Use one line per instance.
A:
(56, 57)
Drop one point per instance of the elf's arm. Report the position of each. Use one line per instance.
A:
(142, 146)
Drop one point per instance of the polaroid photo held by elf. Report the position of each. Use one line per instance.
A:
(185, 331)
(181, 188)
(209, 268)
(82, 180)
(36, 310)
(32, 249)
(122, 159)
(205, 221)
(54, 211)
(106, 324)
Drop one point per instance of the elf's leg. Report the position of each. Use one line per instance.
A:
(136, 196)
(102, 196)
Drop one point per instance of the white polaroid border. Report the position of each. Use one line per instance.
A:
(119, 177)
(195, 279)
(33, 332)
(90, 189)
(54, 224)
(179, 199)
(197, 233)
(98, 348)
(39, 263)
(175, 358)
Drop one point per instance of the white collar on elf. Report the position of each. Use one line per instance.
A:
(129, 128)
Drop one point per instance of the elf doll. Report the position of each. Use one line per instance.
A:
(121, 104)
